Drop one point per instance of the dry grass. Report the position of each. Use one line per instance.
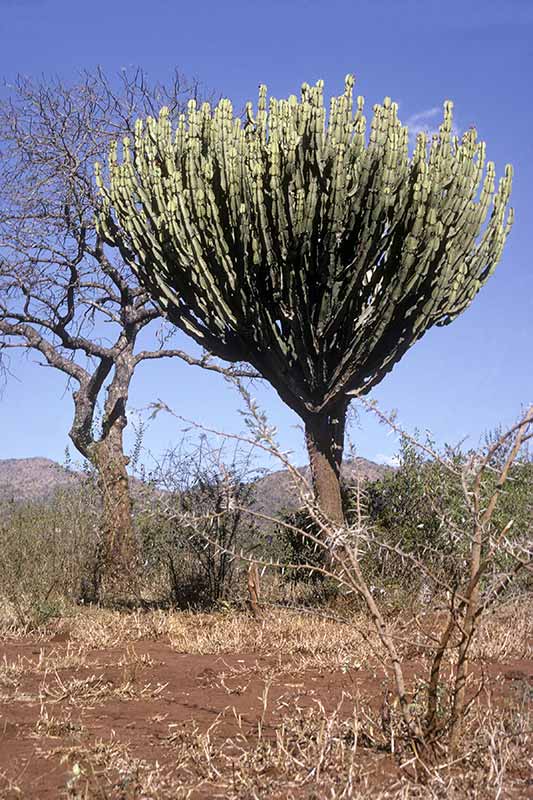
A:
(108, 770)
(292, 752)
(80, 691)
(9, 787)
(508, 633)
(505, 634)
(308, 641)
(71, 657)
(312, 754)
(96, 689)
(98, 629)
(62, 727)
(316, 641)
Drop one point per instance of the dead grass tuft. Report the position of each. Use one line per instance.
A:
(324, 643)
(56, 727)
(99, 629)
(506, 634)
(96, 689)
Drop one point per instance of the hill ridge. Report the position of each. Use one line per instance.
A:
(36, 478)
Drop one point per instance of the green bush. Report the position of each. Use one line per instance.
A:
(420, 512)
(415, 520)
(47, 553)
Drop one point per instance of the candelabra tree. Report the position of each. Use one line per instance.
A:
(298, 244)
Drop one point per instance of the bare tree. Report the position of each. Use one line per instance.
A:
(61, 293)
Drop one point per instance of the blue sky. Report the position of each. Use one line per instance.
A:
(458, 381)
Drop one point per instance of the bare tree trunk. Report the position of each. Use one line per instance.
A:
(118, 556)
(254, 591)
(324, 435)
(116, 569)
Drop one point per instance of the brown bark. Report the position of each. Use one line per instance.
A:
(253, 591)
(118, 556)
(324, 435)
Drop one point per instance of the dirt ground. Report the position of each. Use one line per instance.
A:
(140, 718)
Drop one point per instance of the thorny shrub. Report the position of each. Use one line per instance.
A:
(464, 580)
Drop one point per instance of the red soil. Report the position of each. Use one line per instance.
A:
(188, 689)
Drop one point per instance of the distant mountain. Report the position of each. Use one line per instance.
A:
(276, 492)
(26, 479)
(32, 478)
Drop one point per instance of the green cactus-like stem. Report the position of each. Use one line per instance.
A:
(295, 243)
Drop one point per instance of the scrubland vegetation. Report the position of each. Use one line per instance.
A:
(170, 637)
(376, 660)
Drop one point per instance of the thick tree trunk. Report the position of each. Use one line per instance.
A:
(118, 556)
(324, 434)
(117, 559)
